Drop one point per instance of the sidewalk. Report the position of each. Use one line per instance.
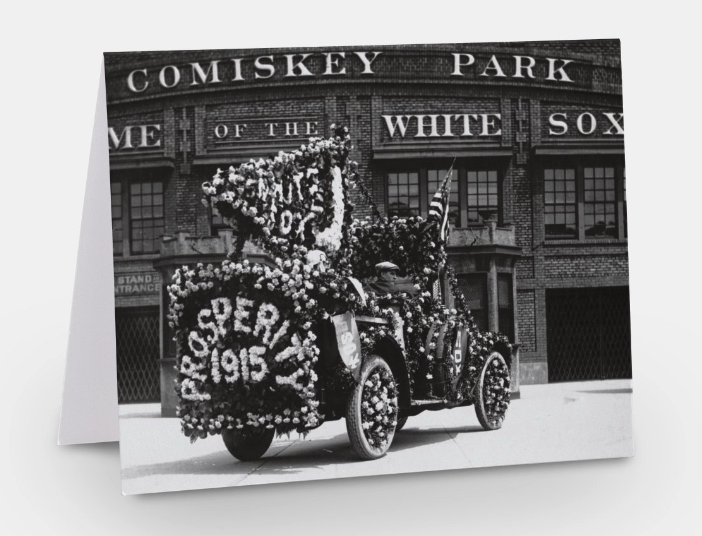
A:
(551, 422)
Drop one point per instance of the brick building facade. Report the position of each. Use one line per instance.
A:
(539, 234)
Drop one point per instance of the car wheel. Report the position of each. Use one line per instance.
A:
(372, 410)
(249, 443)
(492, 392)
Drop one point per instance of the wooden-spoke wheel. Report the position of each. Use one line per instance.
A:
(492, 392)
(372, 410)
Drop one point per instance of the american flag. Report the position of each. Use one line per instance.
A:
(439, 207)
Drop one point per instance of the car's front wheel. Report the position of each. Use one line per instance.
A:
(372, 410)
(492, 392)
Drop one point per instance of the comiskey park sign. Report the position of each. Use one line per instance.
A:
(335, 64)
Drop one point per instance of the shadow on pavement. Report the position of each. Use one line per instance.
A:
(217, 463)
(609, 391)
(143, 415)
(292, 458)
(409, 438)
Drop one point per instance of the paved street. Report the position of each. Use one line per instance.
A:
(557, 422)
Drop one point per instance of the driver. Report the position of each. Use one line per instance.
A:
(386, 273)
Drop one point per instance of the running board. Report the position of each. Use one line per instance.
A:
(429, 402)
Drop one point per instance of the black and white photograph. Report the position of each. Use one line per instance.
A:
(350, 261)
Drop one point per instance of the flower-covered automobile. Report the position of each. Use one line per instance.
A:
(267, 349)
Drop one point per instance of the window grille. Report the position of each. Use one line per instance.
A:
(117, 221)
(483, 197)
(147, 222)
(560, 203)
(600, 202)
(138, 374)
(588, 334)
(403, 194)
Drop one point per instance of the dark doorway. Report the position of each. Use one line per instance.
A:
(589, 334)
(138, 374)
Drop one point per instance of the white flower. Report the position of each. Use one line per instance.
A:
(197, 344)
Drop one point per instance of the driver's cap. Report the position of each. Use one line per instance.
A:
(386, 266)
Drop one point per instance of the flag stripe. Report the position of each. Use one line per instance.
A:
(439, 206)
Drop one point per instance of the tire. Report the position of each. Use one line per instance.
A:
(373, 440)
(249, 444)
(401, 423)
(492, 392)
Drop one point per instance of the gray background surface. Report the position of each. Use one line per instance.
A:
(52, 56)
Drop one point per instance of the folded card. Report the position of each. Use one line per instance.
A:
(348, 261)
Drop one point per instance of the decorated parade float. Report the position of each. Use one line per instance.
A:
(273, 349)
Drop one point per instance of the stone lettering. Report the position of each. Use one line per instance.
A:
(399, 124)
(198, 72)
(130, 81)
(580, 123)
(175, 76)
(558, 123)
(616, 120)
(367, 62)
(292, 65)
(457, 63)
(552, 71)
(493, 65)
(587, 124)
(237, 70)
(334, 63)
(519, 67)
(260, 66)
(126, 135)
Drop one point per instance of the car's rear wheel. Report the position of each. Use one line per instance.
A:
(492, 392)
(372, 410)
(248, 444)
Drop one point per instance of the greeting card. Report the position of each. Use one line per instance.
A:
(361, 260)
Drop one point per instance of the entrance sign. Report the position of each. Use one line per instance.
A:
(137, 283)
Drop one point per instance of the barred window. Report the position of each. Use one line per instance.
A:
(560, 203)
(117, 221)
(474, 195)
(146, 214)
(585, 199)
(483, 197)
(403, 194)
(600, 202)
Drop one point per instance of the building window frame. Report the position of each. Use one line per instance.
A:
(421, 191)
(126, 180)
(580, 165)
(216, 222)
(475, 289)
(118, 234)
(460, 185)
